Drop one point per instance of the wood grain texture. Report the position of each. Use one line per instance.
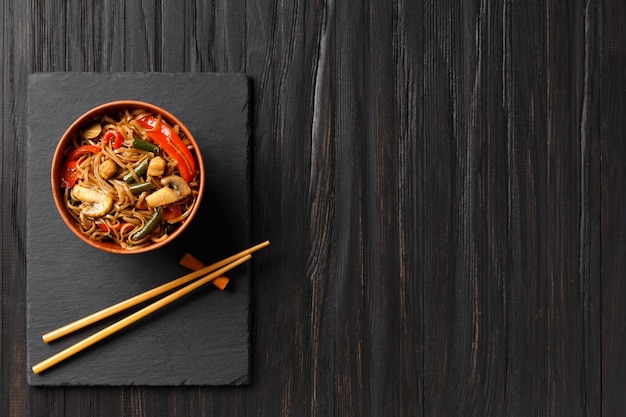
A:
(441, 181)
(609, 127)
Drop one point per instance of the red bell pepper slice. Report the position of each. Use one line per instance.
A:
(70, 175)
(105, 228)
(81, 150)
(172, 211)
(163, 135)
(117, 136)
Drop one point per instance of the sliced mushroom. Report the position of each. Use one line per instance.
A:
(178, 184)
(175, 189)
(92, 131)
(98, 202)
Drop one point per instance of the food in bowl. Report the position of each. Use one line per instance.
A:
(130, 178)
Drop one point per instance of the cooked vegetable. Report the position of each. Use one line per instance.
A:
(115, 136)
(172, 212)
(92, 131)
(100, 203)
(70, 174)
(104, 227)
(141, 187)
(168, 140)
(82, 150)
(140, 171)
(150, 224)
(177, 184)
(146, 146)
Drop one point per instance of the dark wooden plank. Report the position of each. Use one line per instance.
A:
(15, 44)
(573, 162)
(342, 160)
(409, 86)
(464, 210)
(527, 387)
(376, 334)
(173, 50)
(138, 36)
(230, 35)
(282, 57)
(513, 279)
(611, 125)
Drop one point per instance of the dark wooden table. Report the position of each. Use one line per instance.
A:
(443, 184)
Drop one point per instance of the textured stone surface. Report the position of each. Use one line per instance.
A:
(202, 339)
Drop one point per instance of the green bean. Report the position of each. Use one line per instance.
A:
(146, 146)
(141, 169)
(149, 226)
(141, 187)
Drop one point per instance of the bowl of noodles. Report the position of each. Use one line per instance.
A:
(127, 177)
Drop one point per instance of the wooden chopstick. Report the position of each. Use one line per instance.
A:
(138, 315)
(140, 298)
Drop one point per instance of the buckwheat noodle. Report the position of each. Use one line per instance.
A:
(129, 212)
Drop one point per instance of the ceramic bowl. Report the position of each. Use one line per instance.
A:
(59, 160)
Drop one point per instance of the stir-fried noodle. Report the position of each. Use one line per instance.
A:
(104, 168)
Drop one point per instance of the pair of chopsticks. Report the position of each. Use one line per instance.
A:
(208, 274)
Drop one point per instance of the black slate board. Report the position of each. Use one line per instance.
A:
(204, 338)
